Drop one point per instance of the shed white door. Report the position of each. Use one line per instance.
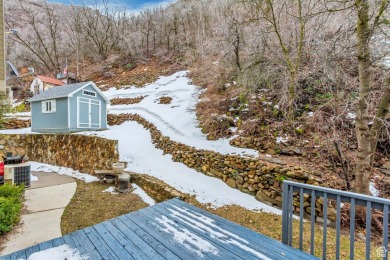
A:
(88, 113)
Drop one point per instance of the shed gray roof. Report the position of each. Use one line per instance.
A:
(57, 92)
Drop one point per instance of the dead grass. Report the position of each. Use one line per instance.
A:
(90, 206)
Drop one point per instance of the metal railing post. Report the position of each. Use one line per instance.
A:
(285, 213)
(354, 199)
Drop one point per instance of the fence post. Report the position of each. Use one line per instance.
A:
(285, 213)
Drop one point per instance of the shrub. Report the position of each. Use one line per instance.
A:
(10, 206)
(11, 191)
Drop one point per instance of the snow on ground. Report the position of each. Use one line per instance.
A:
(33, 178)
(18, 114)
(176, 120)
(145, 197)
(374, 192)
(351, 115)
(58, 253)
(42, 167)
(135, 147)
(111, 190)
(17, 131)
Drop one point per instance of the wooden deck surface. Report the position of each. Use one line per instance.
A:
(169, 230)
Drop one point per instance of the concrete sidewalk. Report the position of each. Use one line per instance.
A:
(45, 203)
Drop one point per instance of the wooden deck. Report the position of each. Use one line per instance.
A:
(169, 230)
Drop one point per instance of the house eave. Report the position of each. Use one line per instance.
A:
(41, 99)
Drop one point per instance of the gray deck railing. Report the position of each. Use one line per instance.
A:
(354, 199)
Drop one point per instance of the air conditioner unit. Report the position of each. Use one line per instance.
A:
(18, 174)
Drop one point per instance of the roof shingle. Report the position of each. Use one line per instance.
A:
(57, 92)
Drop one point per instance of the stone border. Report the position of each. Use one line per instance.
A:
(253, 176)
(15, 123)
(126, 101)
(155, 188)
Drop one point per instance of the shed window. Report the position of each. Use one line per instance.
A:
(49, 106)
(89, 93)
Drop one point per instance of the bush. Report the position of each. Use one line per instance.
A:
(11, 191)
(10, 206)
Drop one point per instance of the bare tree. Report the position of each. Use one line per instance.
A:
(42, 36)
(289, 23)
(367, 136)
(102, 25)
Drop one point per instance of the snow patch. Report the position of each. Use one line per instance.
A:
(58, 253)
(207, 226)
(351, 116)
(33, 178)
(145, 197)
(136, 148)
(43, 167)
(178, 121)
(374, 192)
(17, 131)
(18, 114)
(185, 237)
(111, 190)
(281, 139)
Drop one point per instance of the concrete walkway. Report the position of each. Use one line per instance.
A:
(46, 200)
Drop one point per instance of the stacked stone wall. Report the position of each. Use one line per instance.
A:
(79, 152)
(15, 123)
(250, 175)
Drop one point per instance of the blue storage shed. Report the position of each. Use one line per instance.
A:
(69, 108)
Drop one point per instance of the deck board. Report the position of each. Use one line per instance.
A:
(250, 235)
(169, 230)
(151, 216)
(218, 237)
(178, 249)
(85, 243)
(137, 241)
(225, 251)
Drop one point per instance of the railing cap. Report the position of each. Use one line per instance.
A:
(337, 192)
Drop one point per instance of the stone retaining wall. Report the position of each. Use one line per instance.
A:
(253, 176)
(15, 123)
(156, 189)
(79, 152)
(126, 101)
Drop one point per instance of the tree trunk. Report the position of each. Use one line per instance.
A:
(383, 109)
(291, 97)
(363, 135)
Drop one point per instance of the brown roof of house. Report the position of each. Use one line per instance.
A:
(51, 80)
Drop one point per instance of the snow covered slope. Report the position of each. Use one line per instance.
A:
(176, 120)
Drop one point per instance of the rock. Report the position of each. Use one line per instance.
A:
(328, 222)
(286, 152)
(386, 165)
(231, 183)
(261, 196)
(270, 151)
(240, 179)
(216, 173)
(332, 213)
(297, 151)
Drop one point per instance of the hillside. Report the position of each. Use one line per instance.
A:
(286, 87)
